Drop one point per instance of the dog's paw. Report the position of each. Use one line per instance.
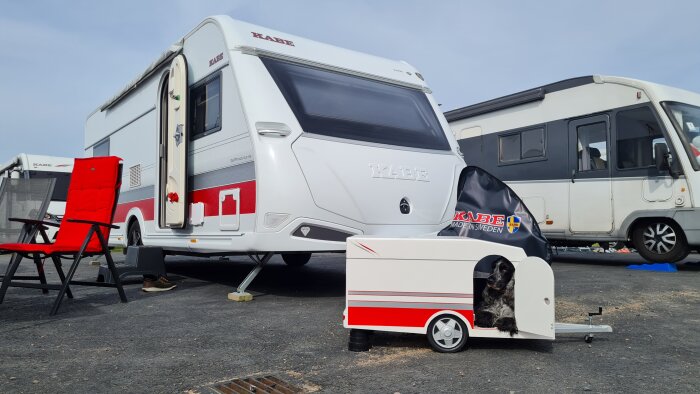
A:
(483, 319)
(507, 324)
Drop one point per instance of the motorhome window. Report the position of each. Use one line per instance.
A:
(637, 133)
(686, 120)
(527, 144)
(592, 146)
(350, 107)
(60, 189)
(532, 143)
(509, 148)
(101, 149)
(205, 107)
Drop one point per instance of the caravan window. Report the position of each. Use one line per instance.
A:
(344, 106)
(205, 107)
(525, 145)
(101, 149)
(637, 133)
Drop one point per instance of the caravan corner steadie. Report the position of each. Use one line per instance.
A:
(596, 159)
(244, 139)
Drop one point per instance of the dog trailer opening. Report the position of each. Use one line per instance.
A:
(244, 140)
(597, 159)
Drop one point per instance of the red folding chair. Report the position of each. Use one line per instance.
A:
(84, 230)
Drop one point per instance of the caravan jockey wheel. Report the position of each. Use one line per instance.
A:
(447, 334)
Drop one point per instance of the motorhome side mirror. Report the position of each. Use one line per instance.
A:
(661, 156)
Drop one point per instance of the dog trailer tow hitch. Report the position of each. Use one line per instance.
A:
(588, 329)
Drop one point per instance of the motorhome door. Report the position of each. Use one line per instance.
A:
(590, 189)
(175, 147)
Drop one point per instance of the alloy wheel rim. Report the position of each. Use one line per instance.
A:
(659, 238)
(447, 333)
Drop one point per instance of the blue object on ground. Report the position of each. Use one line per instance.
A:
(658, 267)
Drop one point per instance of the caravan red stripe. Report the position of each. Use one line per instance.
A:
(396, 317)
(210, 198)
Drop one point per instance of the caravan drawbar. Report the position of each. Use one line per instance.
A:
(596, 159)
(244, 140)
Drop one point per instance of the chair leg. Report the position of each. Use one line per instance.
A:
(40, 271)
(115, 275)
(11, 269)
(61, 275)
(69, 277)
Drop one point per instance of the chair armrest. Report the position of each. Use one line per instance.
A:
(94, 223)
(35, 222)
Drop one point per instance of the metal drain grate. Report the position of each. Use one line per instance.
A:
(264, 384)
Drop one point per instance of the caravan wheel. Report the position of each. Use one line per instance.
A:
(296, 259)
(447, 334)
(134, 234)
(660, 241)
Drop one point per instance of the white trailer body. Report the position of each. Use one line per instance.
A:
(39, 166)
(244, 139)
(581, 154)
(403, 284)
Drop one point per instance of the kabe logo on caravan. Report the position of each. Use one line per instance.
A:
(273, 39)
(389, 171)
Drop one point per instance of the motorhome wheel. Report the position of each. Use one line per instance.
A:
(447, 334)
(660, 241)
(296, 259)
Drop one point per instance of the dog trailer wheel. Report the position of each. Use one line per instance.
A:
(447, 334)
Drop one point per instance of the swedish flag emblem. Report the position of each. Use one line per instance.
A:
(513, 223)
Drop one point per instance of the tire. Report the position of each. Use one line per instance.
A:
(296, 259)
(660, 241)
(133, 236)
(447, 334)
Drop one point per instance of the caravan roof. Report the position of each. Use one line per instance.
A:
(250, 38)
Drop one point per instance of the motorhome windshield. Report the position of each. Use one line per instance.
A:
(350, 107)
(686, 119)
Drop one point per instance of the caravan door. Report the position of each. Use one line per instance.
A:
(174, 147)
(590, 189)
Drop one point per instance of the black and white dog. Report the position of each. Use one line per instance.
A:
(497, 306)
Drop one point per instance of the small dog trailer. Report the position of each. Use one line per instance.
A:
(437, 286)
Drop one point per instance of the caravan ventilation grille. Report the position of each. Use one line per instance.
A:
(263, 384)
(135, 176)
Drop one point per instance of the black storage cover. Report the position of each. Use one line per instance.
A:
(489, 210)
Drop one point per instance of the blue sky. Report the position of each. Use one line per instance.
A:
(59, 60)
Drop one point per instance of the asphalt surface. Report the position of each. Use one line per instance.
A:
(189, 338)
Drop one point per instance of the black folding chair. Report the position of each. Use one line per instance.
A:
(24, 198)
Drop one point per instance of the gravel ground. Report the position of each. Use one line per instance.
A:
(192, 337)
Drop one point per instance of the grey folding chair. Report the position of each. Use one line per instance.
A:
(24, 198)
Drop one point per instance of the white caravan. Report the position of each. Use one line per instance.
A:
(242, 139)
(38, 166)
(596, 159)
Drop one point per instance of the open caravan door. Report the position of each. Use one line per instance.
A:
(176, 152)
(487, 209)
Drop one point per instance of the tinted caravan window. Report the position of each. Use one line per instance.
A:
(205, 107)
(60, 189)
(345, 106)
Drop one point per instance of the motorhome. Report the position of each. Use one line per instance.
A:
(242, 139)
(38, 166)
(596, 159)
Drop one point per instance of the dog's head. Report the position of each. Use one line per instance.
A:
(501, 274)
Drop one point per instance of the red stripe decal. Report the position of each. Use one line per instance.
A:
(210, 198)
(145, 206)
(396, 317)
